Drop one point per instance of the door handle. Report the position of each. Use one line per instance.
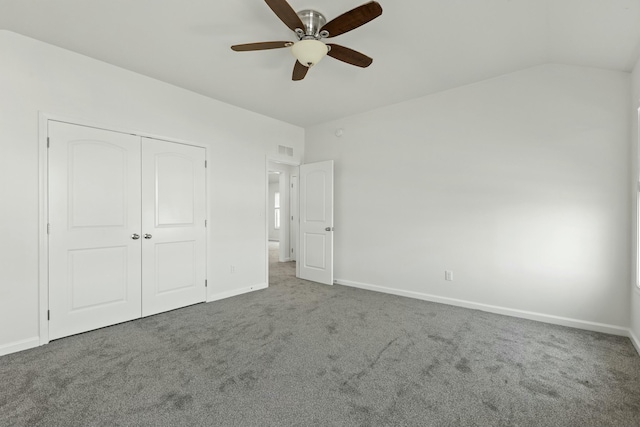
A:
(148, 236)
(135, 236)
(328, 229)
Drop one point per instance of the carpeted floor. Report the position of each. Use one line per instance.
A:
(300, 353)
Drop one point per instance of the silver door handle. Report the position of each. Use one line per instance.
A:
(135, 236)
(148, 236)
(328, 229)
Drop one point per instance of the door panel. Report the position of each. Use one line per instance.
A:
(174, 213)
(97, 165)
(94, 208)
(175, 264)
(315, 252)
(175, 175)
(315, 201)
(98, 277)
(316, 245)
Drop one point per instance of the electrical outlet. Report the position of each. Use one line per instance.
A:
(448, 275)
(233, 269)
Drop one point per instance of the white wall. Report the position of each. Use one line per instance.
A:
(274, 234)
(37, 77)
(518, 184)
(635, 178)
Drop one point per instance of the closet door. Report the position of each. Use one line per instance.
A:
(173, 226)
(94, 218)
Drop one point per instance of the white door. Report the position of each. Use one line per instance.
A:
(94, 218)
(173, 226)
(315, 251)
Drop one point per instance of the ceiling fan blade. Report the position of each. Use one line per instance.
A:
(260, 46)
(349, 56)
(353, 19)
(285, 12)
(299, 71)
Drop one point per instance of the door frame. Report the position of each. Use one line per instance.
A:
(274, 159)
(294, 202)
(43, 202)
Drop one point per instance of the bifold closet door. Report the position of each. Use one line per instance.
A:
(173, 224)
(94, 218)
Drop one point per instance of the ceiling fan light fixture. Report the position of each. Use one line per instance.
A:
(309, 52)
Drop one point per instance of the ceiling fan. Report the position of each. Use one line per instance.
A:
(310, 27)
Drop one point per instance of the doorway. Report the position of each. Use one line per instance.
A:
(305, 198)
(281, 218)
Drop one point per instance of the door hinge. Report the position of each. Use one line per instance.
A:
(291, 185)
(205, 222)
(205, 284)
(48, 145)
(48, 315)
(205, 163)
(48, 228)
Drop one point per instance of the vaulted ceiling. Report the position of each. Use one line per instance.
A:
(419, 46)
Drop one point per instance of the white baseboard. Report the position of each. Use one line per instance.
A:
(556, 320)
(540, 317)
(634, 340)
(35, 341)
(235, 292)
(19, 346)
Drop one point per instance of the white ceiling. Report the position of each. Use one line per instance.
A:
(419, 46)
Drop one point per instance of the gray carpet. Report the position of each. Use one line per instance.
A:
(300, 353)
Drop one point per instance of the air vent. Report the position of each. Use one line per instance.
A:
(285, 151)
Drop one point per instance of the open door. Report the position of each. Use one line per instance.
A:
(315, 251)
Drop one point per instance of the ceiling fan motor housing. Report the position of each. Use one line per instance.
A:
(313, 22)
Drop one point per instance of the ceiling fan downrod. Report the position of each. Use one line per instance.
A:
(313, 21)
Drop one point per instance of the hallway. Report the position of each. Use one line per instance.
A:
(279, 271)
